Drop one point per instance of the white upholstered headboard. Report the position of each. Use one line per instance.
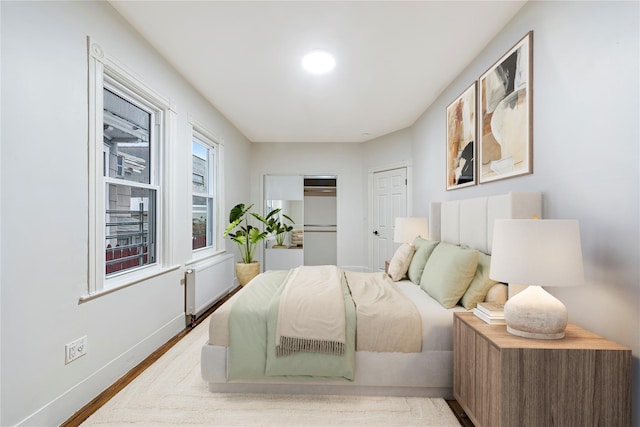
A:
(469, 222)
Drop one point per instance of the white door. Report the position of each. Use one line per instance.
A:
(390, 201)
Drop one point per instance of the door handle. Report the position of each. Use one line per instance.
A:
(375, 233)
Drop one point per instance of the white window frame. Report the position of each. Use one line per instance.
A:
(106, 72)
(200, 134)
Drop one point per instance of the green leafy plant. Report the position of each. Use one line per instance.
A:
(247, 236)
(277, 225)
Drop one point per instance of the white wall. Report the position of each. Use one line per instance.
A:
(352, 163)
(388, 150)
(586, 150)
(342, 160)
(45, 204)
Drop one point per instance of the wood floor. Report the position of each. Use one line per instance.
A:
(459, 413)
(95, 404)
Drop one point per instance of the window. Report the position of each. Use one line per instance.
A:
(198, 180)
(129, 126)
(131, 190)
(120, 166)
(204, 184)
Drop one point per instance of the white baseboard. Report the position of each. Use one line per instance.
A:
(64, 406)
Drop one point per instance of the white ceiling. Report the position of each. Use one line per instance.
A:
(393, 59)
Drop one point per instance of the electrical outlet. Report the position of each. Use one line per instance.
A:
(75, 349)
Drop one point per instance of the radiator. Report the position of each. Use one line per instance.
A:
(206, 283)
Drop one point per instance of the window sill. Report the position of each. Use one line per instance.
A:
(129, 281)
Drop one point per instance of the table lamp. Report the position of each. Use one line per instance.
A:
(536, 253)
(406, 229)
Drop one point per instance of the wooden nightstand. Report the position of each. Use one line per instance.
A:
(500, 379)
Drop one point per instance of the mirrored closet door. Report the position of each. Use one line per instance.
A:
(285, 192)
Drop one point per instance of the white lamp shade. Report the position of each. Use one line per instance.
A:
(537, 252)
(406, 229)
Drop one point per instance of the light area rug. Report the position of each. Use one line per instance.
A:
(171, 392)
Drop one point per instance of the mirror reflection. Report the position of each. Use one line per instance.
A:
(291, 216)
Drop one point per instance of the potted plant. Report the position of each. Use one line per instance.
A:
(278, 227)
(246, 237)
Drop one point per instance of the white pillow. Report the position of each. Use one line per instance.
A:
(400, 262)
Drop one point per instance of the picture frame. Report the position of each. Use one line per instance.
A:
(505, 127)
(461, 140)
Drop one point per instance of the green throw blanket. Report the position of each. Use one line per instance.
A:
(252, 328)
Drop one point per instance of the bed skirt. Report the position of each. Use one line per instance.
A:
(427, 374)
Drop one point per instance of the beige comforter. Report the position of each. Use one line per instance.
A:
(387, 320)
(311, 314)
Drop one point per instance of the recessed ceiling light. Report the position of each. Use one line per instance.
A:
(318, 62)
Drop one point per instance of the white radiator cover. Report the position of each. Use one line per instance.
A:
(206, 283)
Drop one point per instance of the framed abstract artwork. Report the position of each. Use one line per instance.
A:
(461, 140)
(506, 128)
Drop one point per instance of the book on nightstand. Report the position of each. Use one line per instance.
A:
(489, 319)
(491, 308)
(490, 313)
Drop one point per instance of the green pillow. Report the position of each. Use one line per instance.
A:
(424, 248)
(448, 273)
(480, 284)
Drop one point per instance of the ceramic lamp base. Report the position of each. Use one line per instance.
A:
(535, 313)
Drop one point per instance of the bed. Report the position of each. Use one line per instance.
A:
(455, 227)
